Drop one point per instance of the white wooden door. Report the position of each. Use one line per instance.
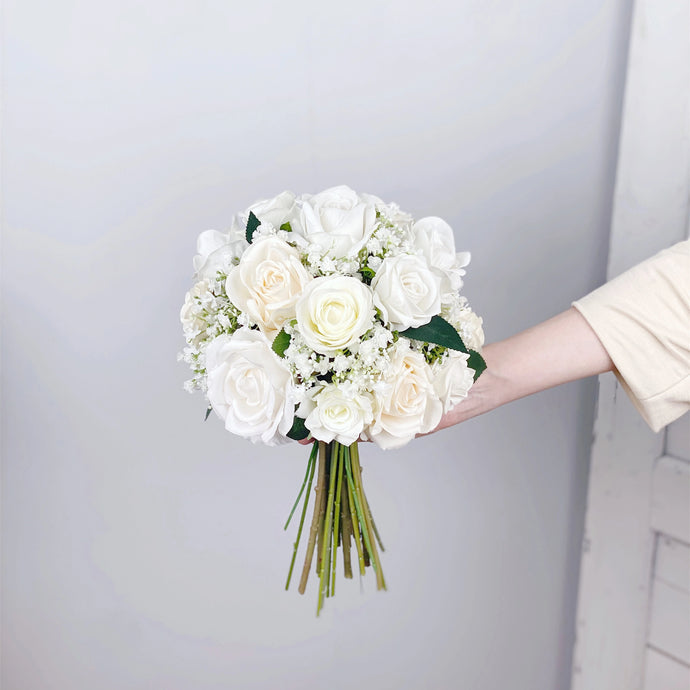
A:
(667, 654)
(633, 622)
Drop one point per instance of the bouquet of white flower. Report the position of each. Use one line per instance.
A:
(335, 316)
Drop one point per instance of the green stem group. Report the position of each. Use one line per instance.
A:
(341, 513)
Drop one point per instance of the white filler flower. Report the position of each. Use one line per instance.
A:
(406, 291)
(267, 283)
(408, 404)
(333, 312)
(192, 323)
(249, 387)
(471, 330)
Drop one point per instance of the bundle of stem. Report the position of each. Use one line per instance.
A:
(341, 513)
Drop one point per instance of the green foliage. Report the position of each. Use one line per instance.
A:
(439, 332)
(476, 362)
(252, 224)
(367, 274)
(209, 409)
(432, 353)
(298, 431)
(287, 227)
(281, 343)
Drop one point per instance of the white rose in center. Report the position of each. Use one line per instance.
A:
(334, 312)
(250, 387)
(408, 405)
(406, 291)
(338, 220)
(267, 283)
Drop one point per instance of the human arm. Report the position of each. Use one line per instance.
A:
(636, 325)
(561, 349)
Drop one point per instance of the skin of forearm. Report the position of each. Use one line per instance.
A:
(562, 349)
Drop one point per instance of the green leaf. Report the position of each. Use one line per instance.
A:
(367, 273)
(252, 224)
(439, 332)
(280, 343)
(287, 227)
(476, 362)
(208, 412)
(298, 430)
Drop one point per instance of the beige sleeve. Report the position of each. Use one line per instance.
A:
(642, 318)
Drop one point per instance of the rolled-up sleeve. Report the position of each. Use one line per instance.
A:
(642, 318)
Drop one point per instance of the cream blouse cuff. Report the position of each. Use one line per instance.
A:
(642, 318)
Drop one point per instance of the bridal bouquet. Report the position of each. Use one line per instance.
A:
(338, 317)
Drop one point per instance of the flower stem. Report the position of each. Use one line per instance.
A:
(312, 457)
(314, 529)
(353, 512)
(328, 527)
(336, 514)
(367, 530)
(365, 552)
(346, 527)
(322, 511)
(311, 466)
(373, 524)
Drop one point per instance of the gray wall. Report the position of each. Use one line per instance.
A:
(143, 548)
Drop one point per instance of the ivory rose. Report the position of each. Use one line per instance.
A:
(276, 211)
(434, 238)
(218, 250)
(267, 283)
(408, 404)
(249, 387)
(407, 291)
(338, 220)
(333, 312)
(453, 379)
(337, 413)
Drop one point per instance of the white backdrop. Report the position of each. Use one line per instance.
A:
(143, 548)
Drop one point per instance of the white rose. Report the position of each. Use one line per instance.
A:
(406, 291)
(192, 324)
(434, 237)
(453, 379)
(338, 220)
(206, 243)
(334, 312)
(250, 387)
(267, 283)
(408, 405)
(218, 251)
(276, 211)
(390, 211)
(337, 413)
